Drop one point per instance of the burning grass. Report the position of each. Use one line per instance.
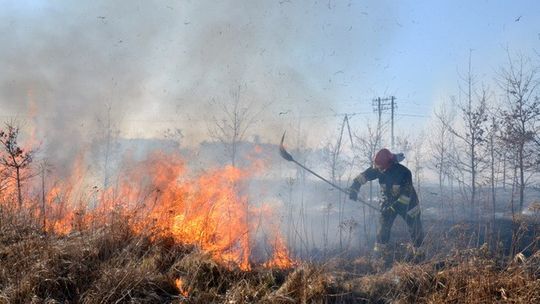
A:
(159, 196)
(163, 235)
(117, 265)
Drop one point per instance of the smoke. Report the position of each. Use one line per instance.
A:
(67, 63)
(75, 73)
(158, 64)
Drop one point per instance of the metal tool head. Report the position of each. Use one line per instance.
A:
(282, 150)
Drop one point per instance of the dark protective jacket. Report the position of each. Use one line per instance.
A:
(396, 187)
(398, 197)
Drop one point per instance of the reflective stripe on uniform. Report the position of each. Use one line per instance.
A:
(404, 199)
(414, 211)
(389, 208)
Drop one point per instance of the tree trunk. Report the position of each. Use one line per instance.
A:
(451, 203)
(19, 192)
(492, 152)
(233, 153)
(441, 180)
(43, 200)
(514, 182)
(504, 172)
(521, 180)
(473, 182)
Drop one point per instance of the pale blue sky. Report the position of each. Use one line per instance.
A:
(160, 62)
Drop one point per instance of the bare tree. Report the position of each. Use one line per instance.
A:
(367, 145)
(4, 179)
(404, 145)
(44, 168)
(469, 161)
(520, 118)
(333, 157)
(491, 144)
(336, 163)
(108, 143)
(441, 144)
(230, 129)
(174, 134)
(418, 160)
(14, 158)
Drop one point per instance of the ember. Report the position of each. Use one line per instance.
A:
(180, 286)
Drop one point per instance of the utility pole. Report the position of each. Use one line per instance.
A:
(381, 105)
(379, 110)
(392, 105)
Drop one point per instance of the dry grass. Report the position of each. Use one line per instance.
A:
(471, 276)
(115, 265)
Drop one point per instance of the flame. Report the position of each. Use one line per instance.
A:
(281, 258)
(160, 197)
(180, 286)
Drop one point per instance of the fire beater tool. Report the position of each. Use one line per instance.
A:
(287, 156)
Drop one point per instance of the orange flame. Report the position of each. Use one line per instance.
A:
(159, 196)
(280, 259)
(180, 286)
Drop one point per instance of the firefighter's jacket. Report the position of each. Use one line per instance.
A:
(396, 187)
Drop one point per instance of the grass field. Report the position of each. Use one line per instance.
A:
(113, 264)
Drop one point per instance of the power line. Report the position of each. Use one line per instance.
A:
(381, 105)
(383, 108)
(412, 115)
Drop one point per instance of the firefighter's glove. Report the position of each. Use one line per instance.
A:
(353, 194)
(353, 190)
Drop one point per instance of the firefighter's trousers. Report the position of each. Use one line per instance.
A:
(410, 213)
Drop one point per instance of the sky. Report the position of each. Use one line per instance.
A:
(298, 64)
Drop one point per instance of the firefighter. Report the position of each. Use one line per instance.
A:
(397, 197)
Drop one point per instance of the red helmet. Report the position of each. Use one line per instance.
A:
(383, 159)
